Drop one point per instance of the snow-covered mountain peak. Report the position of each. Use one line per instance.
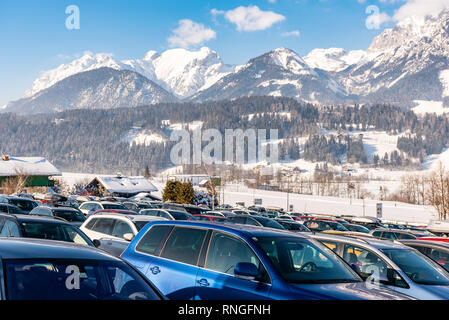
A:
(89, 61)
(333, 59)
(289, 60)
(151, 55)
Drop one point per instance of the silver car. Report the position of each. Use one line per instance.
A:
(392, 264)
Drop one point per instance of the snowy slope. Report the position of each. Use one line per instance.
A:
(333, 59)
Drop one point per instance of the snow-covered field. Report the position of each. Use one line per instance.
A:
(323, 205)
(424, 107)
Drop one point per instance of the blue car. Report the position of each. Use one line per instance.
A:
(201, 260)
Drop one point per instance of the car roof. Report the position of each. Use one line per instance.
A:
(427, 242)
(132, 217)
(36, 218)
(247, 230)
(376, 243)
(58, 208)
(21, 248)
(17, 198)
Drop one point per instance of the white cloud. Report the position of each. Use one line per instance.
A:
(190, 33)
(420, 8)
(251, 18)
(294, 33)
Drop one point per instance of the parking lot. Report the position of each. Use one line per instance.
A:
(141, 248)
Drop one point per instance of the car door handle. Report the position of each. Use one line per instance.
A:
(203, 283)
(155, 270)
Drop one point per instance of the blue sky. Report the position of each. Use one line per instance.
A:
(34, 36)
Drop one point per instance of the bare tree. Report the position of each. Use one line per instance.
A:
(15, 183)
(438, 192)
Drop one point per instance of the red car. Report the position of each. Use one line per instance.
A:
(201, 217)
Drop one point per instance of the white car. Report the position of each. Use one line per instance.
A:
(113, 232)
(89, 207)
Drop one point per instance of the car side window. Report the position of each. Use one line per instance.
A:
(252, 222)
(14, 210)
(225, 251)
(153, 213)
(13, 228)
(184, 245)
(377, 234)
(388, 235)
(164, 214)
(90, 224)
(104, 225)
(153, 239)
(331, 245)
(121, 228)
(405, 236)
(239, 220)
(365, 261)
(3, 208)
(440, 256)
(3, 229)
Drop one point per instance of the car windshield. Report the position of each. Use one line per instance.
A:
(337, 226)
(109, 206)
(74, 280)
(269, 223)
(25, 205)
(70, 215)
(305, 261)
(140, 224)
(54, 231)
(179, 215)
(294, 226)
(357, 228)
(418, 267)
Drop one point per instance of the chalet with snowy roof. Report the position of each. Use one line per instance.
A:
(38, 170)
(120, 186)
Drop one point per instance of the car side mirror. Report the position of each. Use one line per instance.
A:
(128, 237)
(246, 270)
(97, 243)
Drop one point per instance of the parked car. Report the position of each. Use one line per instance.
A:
(228, 262)
(439, 227)
(356, 228)
(185, 207)
(51, 228)
(113, 232)
(26, 205)
(319, 225)
(437, 251)
(9, 226)
(215, 213)
(391, 264)
(10, 209)
(246, 212)
(256, 221)
(397, 234)
(89, 207)
(167, 214)
(74, 216)
(209, 218)
(286, 217)
(137, 206)
(292, 225)
(39, 270)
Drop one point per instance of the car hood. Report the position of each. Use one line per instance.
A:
(436, 292)
(348, 291)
